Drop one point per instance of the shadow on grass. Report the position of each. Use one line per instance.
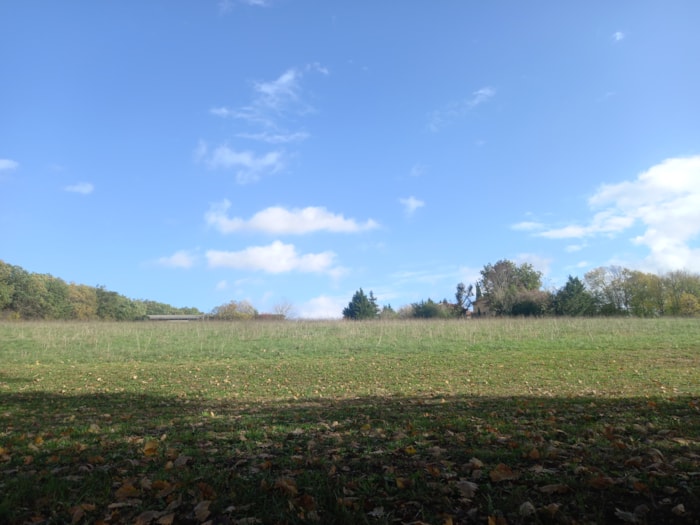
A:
(125, 458)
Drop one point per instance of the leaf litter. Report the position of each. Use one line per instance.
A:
(385, 460)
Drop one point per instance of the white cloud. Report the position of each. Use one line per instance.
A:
(574, 248)
(538, 262)
(618, 36)
(277, 220)
(276, 138)
(665, 200)
(527, 226)
(222, 112)
(418, 170)
(8, 164)
(247, 166)
(274, 258)
(281, 93)
(411, 204)
(323, 307)
(608, 222)
(222, 285)
(456, 110)
(84, 188)
(226, 6)
(180, 259)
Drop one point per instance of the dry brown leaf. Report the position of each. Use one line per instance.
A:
(527, 509)
(126, 491)
(503, 472)
(467, 489)
(146, 517)
(555, 488)
(201, 511)
(168, 519)
(287, 485)
(601, 482)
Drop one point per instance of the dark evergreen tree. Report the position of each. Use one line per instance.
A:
(361, 306)
(573, 299)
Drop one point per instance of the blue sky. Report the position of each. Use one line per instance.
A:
(288, 150)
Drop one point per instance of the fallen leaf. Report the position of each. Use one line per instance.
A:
(556, 488)
(150, 448)
(503, 472)
(627, 517)
(126, 491)
(527, 509)
(168, 519)
(467, 489)
(201, 511)
(678, 510)
(287, 485)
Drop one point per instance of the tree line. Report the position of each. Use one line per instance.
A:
(503, 289)
(508, 289)
(26, 295)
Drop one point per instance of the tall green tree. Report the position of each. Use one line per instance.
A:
(573, 299)
(361, 306)
(608, 286)
(6, 287)
(501, 284)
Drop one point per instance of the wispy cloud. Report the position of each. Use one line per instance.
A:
(276, 138)
(527, 226)
(411, 204)
(274, 258)
(418, 170)
(279, 221)
(8, 164)
(274, 101)
(618, 36)
(84, 188)
(226, 6)
(664, 200)
(459, 109)
(180, 259)
(247, 166)
(608, 222)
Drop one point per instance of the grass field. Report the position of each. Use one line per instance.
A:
(489, 421)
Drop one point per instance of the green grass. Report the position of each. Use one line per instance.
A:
(523, 421)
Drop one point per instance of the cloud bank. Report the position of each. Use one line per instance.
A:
(274, 258)
(664, 200)
(279, 221)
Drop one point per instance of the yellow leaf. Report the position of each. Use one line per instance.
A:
(150, 448)
(403, 483)
(410, 450)
(126, 491)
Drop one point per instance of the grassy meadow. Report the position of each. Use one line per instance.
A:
(439, 422)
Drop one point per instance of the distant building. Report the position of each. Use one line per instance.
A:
(480, 308)
(175, 317)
